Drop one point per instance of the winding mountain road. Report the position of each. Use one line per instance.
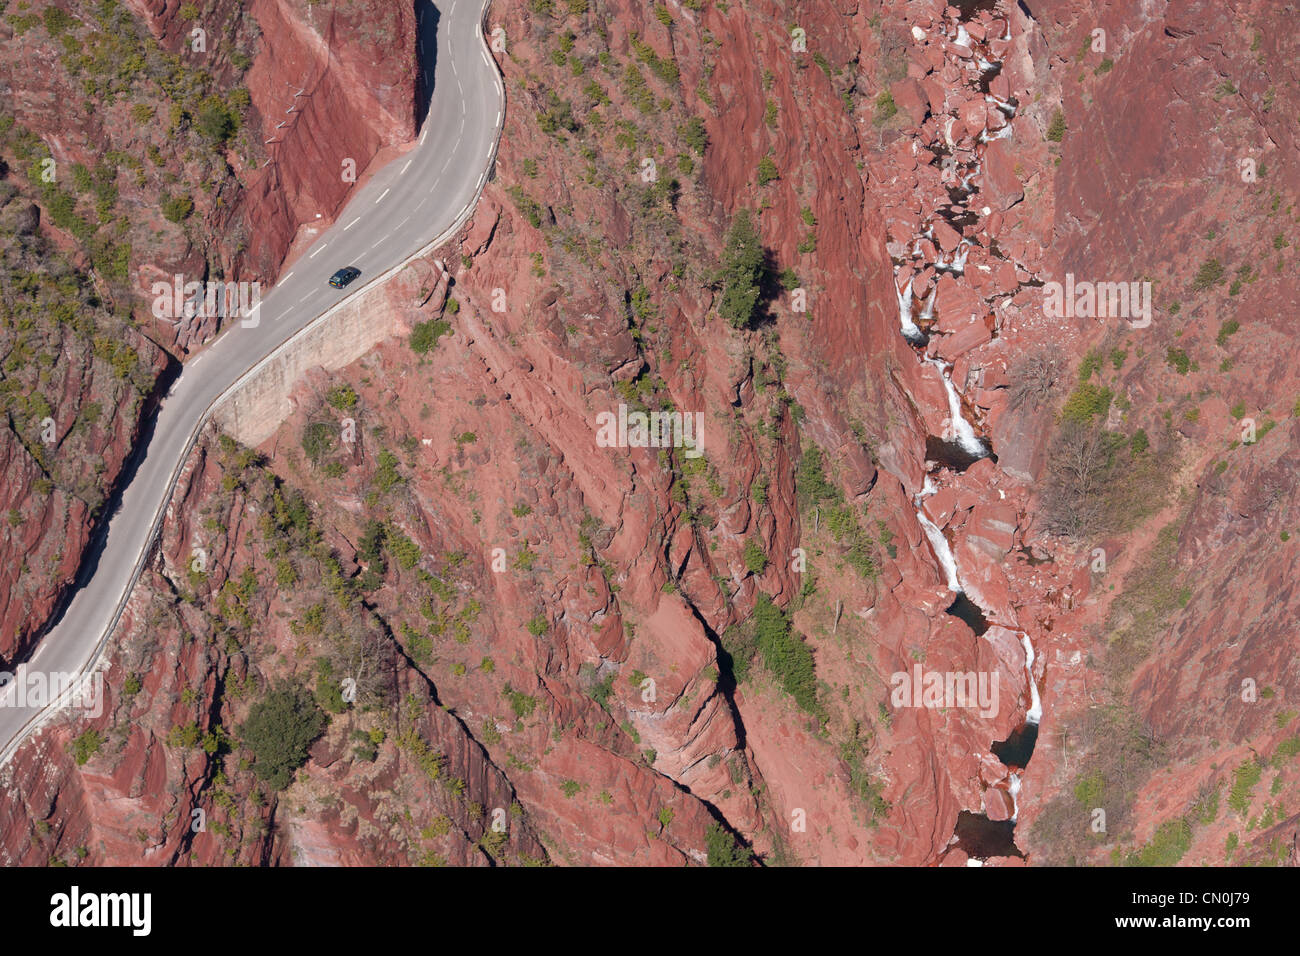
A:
(407, 208)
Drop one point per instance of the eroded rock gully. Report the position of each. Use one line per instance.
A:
(969, 104)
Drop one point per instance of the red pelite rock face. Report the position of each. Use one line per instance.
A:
(48, 524)
(358, 68)
(638, 563)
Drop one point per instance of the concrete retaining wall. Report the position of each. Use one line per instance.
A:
(253, 412)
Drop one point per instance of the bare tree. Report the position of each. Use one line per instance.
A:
(1037, 377)
(1077, 470)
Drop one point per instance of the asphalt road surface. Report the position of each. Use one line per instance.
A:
(396, 215)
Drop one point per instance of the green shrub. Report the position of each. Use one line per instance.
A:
(405, 551)
(637, 90)
(724, 849)
(1167, 845)
(86, 745)
(329, 693)
(215, 121)
(737, 651)
(425, 335)
(694, 135)
(1086, 403)
(1090, 790)
(1209, 274)
(365, 748)
(279, 729)
(663, 68)
(785, 654)
(386, 475)
(557, 115)
(342, 397)
(755, 557)
(742, 271)
(57, 20)
(1229, 327)
(1287, 749)
(528, 207)
(1244, 779)
(600, 691)
(767, 171)
(811, 483)
(1090, 365)
(317, 440)
(176, 208)
(522, 704)
(860, 548)
(853, 754)
(1056, 128)
(886, 108)
(1178, 360)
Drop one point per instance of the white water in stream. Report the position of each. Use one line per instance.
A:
(927, 313)
(910, 330)
(1035, 713)
(962, 430)
(942, 551)
(959, 258)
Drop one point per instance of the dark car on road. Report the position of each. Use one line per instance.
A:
(344, 276)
